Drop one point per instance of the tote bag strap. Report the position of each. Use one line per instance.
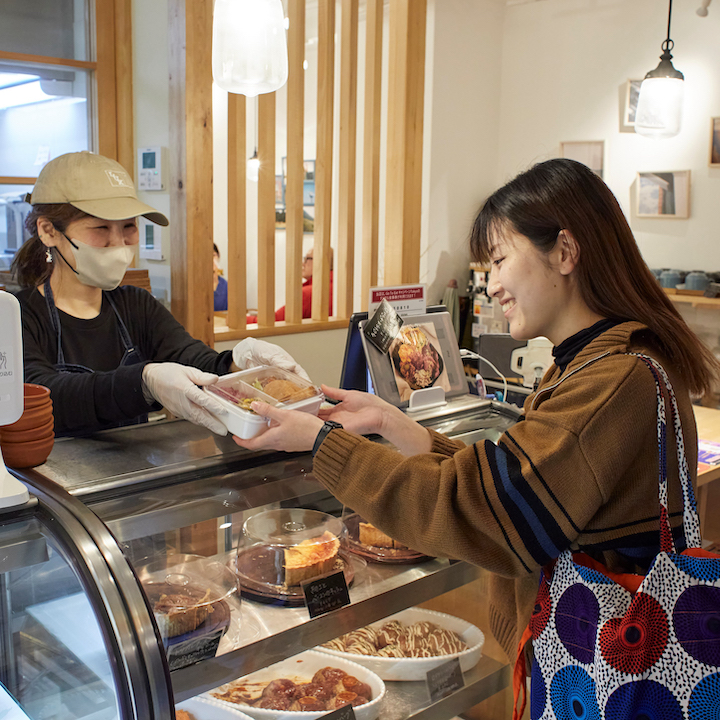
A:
(691, 523)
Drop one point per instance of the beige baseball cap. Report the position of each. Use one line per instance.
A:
(97, 185)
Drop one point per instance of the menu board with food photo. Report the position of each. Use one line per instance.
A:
(417, 360)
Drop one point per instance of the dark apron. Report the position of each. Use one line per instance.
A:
(131, 356)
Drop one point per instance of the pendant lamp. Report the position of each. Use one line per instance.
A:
(659, 109)
(249, 50)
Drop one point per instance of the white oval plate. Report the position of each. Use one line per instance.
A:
(203, 708)
(305, 665)
(417, 668)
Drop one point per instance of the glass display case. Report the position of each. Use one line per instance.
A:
(115, 597)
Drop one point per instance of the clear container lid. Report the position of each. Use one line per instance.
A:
(288, 527)
(270, 384)
(191, 580)
(233, 389)
(281, 549)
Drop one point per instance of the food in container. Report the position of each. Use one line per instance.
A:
(304, 687)
(369, 542)
(406, 645)
(281, 549)
(189, 596)
(272, 385)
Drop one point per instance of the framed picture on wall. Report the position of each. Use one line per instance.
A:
(589, 153)
(308, 181)
(663, 194)
(715, 142)
(632, 93)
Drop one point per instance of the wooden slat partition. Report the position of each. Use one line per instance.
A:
(345, 266)
(404, 144)
(295, 139)
(237, 215)
(324, 159)
(371, 147)
(266, 209)
(190, 42)
(403, 170)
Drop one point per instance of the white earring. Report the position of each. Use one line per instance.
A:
(48, 255)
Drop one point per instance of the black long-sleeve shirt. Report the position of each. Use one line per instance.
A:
(85, 402)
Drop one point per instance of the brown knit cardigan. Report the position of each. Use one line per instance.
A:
(578, 470)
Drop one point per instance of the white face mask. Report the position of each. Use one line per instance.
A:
(100, 267)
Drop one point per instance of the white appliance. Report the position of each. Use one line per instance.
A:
(12, 491)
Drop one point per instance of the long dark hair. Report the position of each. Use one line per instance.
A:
(30, 267)
(613, 278)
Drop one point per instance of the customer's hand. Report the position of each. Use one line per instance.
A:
(175, 387)
(364, 414)
(359, 412)
(250, 353)
(290, 430)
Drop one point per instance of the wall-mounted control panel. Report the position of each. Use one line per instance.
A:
(150, 168)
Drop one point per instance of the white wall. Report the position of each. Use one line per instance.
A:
(564, 67)
(462, 123)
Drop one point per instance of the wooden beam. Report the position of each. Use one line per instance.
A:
(324, 159)
(191, 194)
(105, 85)
(14, 180)
(124, 85)
(404, 144)
(266, 209)
(345, 266)
(46, 60)
(295, 173)
(237, 211)
(178, 169)
(371, 148)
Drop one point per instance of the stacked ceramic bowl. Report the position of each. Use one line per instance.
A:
(28, 442)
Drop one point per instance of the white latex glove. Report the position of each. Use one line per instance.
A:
(175, 387)
(250, 353)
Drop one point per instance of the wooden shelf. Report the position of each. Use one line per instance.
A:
(697, 301)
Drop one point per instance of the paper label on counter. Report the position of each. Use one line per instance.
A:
(325, 594)
(445, 679)
(344, 713)
(406, 299)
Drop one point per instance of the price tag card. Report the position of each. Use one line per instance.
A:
(445, 679)
(327, 593)
(346, 712)
(382, 328)
(406, 299)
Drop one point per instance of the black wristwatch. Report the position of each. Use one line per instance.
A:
(325, 430)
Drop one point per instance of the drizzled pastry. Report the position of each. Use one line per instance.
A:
(397, 640)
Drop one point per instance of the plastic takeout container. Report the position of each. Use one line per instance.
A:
(272, 385)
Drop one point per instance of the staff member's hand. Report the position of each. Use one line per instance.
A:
(175, 387)
(290, 430)
(250, 353)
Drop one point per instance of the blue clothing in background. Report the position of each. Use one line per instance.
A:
(220, 295)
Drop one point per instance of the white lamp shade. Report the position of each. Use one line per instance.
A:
(249, 50)
(253, 168)
(659, 108)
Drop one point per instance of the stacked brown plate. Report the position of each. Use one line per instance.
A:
(28, 442)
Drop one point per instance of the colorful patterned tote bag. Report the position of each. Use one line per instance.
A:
(630, 647)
